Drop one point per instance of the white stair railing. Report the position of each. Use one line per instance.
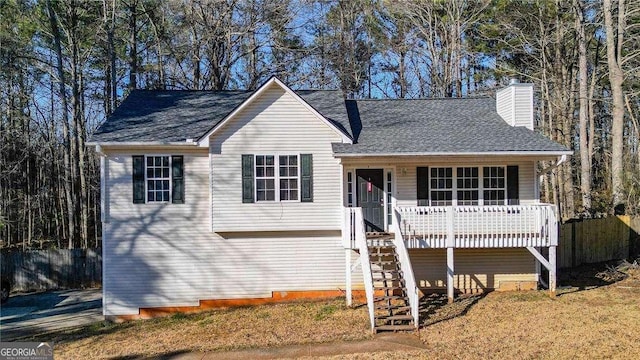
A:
(349, 227)
(365, 262)
(407, 269)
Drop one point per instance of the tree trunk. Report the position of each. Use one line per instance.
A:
(133, 45)
(615, 36)
(55, 31)
(585, 158)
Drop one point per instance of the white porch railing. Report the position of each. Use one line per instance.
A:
(478, 226)
(349, 227)
(356, 238)
(407, 269)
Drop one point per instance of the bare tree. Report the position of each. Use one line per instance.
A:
(614, 27)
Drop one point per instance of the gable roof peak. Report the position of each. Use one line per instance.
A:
(273, 80)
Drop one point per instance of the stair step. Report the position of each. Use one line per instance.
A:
(394, 317)
(389, 297)
(382, 253)
(377, 235)
(384, 271)
(393, 307)
(399, 279)
(388, 288)
(395, 328)
(376, 257)
(387, 249)
(384, 262)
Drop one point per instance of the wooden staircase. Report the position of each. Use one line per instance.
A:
(392, 311)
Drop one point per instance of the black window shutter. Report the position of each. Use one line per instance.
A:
(247, 179)
(177, 177)
(422, 185)
(513, 186)
(306, 183)
(138, 179)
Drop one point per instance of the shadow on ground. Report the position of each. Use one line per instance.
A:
(38, 314)
(435, 308)
(166, 356)
(589, 276)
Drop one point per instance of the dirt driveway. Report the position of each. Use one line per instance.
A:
(38, 313)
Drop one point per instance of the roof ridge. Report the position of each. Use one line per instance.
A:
(188, 90)
(432, 98)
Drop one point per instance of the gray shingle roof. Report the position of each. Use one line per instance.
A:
(177, 115)
(167, 116)
(437, 125)
(378, 126)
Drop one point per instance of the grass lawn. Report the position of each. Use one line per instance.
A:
(598, 322)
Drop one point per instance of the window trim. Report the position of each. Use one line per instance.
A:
(257, 178)
(454, 189)
(477, 189)
(276, 177)
(146, 179)
(505, 199)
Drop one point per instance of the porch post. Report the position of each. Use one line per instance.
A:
(347, 262)
(552, 271)
(450, 246)
(450, 274)
(538, 270)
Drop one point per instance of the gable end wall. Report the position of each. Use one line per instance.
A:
(274, 123)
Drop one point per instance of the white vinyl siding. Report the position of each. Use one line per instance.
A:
(275, 123)
(157, 254)
(164, 255)
(405, 193)
(475, 269)
(523, 106)
(504, 104)
(515, 105)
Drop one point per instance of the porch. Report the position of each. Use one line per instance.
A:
(531, 227)
(439, 227)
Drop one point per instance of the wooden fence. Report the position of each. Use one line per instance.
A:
(596, 240)
(52, 269)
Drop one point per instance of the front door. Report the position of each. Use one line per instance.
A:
(371, 197)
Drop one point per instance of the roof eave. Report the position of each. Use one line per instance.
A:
(480, 153)
(142, 144)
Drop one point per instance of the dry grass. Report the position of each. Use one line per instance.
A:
(600, 322)
(261, 326)
(603, 322)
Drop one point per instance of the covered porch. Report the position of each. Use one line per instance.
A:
(453, 204)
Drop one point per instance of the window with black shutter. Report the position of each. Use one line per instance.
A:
(268, 177)
(158, 178)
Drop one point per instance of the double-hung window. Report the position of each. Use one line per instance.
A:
(158, 179)
(265, 178)
(441, 186)
(494, 185)
(467, 181)
(288, 177)
(280, 185)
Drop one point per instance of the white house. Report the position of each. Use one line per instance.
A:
(220, 198)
